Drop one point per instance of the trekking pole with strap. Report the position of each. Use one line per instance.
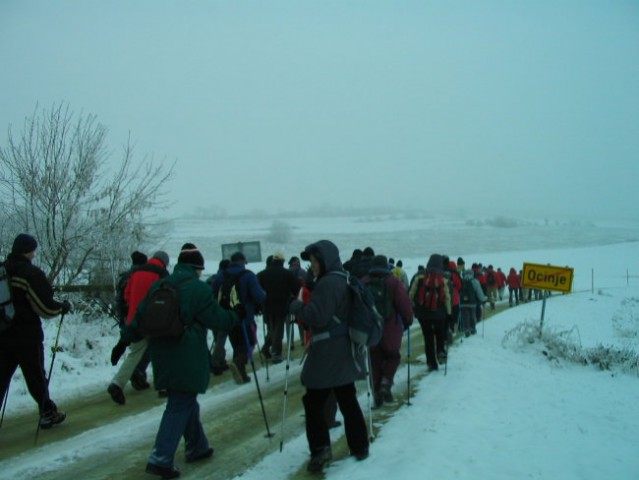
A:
(371, 437)
(54, 350)
(4, 402)
(263, 360)
(257, 383)
(288, 364)
(408, 365)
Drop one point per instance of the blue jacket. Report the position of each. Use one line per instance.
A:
(252, 295)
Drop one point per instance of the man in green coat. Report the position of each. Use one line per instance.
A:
(181, 366)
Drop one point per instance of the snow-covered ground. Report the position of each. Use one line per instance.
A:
(512, 405)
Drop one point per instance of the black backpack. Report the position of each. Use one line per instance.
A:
(228, 297)
(161, 317)
(121, 307)
(467, 294)
(383, 301)
(7, 311)
(365, 324)
(490, 278)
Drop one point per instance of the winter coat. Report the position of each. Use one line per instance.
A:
(281, 286)
(401, 312)
(32, 297)
(513, 279)
(183, 365)
(141, 280)
(434, 265)
(331, 361)
(252, 296)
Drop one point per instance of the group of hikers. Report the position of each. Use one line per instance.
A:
(444, 296)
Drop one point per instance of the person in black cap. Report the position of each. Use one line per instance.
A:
(22, 344)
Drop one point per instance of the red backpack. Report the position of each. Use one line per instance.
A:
(431, 294)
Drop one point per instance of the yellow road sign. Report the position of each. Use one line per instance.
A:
(547, 277)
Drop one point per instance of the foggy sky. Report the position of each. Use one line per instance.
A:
(501, 106)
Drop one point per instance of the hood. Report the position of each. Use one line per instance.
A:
(327, 255)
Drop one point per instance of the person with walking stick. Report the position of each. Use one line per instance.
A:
(331, 365)
(22, 343)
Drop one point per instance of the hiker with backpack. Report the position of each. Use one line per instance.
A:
(471, 297)
(514, 284)
(281, 286)
(454, 285)
(218, 349)
(181, 360)
(332, 364)
(393, 303)
(431, 303)
(491, 286)
(136, 289)
(242, 283)
(138, 377)
(22, 340)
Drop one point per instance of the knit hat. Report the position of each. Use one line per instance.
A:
(278, 256)
(191, 256)
(24, 243)
(138, 258)
(162, 257)
(460, 261)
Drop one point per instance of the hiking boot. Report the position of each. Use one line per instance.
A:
(319, 459)
(386, 394)
(208, 453)
(117, 395)
(138, 381)
(378, 400)
(432, 368)
(266, 351)
(164, 472)
(442, 357)
(48, 420)
(239, 374)
(361, 455)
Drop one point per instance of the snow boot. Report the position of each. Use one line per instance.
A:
(116, 394)
(48, 420)
(164, 472)
(319, 460)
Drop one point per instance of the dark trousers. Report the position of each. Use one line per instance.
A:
(30, 359)
(317, 426)
(434, 332)
(275, 333)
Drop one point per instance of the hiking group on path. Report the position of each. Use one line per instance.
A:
(164, 319)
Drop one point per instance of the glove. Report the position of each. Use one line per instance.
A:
(118, 351)
(66, 307)
(295, 306)
(240, 310)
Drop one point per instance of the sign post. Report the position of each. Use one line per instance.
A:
(546, 278)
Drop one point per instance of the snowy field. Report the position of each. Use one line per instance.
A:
(512, 405)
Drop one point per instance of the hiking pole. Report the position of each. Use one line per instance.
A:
(257, 383)
(368, 385)
(4, 402)
(54, 350)
(408, 365)
(288, 364)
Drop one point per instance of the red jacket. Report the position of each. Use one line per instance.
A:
(513, 279)
(140, 282)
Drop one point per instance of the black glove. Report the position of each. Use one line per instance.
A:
(295, 306)
(240, 310)
(66, 307)
(118, 351)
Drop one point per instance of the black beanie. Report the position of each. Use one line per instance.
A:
(191, 256)
(24, 243)
(138, 258)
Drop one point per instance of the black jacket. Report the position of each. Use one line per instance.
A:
(32, 297)
(281, 285)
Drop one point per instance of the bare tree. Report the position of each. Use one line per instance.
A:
(55, 183)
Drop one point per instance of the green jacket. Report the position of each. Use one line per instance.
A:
(183, 365)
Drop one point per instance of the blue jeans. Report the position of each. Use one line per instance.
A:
(180, 418)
